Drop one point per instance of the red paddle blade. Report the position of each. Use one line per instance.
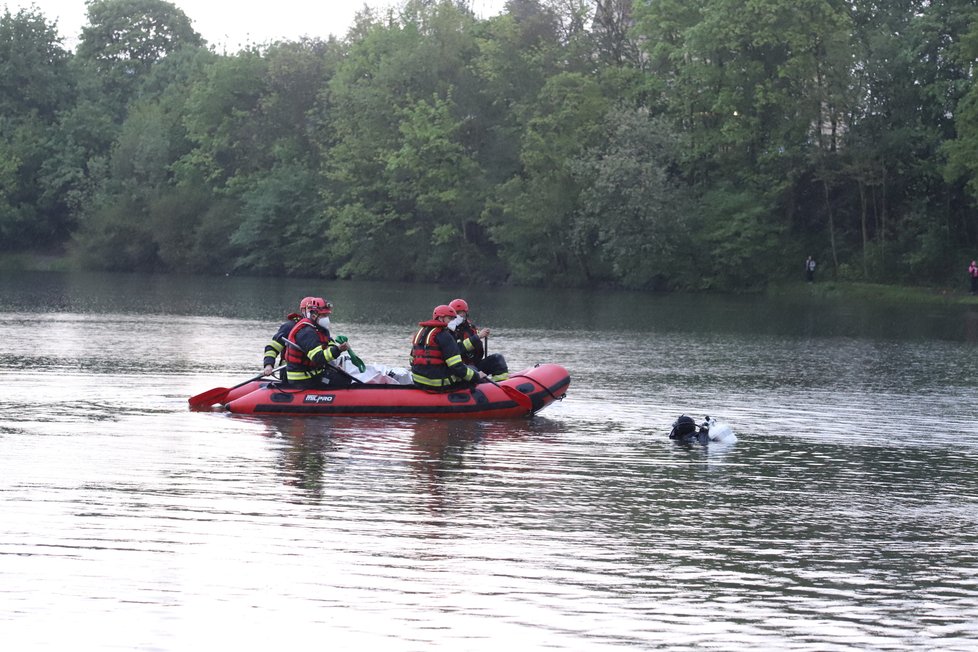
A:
(208, 398)
(220, 394)
(519, 397)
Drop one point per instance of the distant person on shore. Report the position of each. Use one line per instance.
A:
(810, 269)
(973, 274)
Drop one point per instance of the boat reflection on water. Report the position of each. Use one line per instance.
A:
(312, 452)
(440, 452)
(460, 466)
(306, 448)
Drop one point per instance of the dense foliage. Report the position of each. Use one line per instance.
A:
(653, 144)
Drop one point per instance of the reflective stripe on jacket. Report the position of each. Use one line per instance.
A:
(277, 344)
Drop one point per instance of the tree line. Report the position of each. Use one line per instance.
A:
(648, 144)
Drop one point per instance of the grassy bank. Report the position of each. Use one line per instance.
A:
(875, 292)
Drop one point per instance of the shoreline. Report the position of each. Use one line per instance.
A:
(877, 292)
(824, 289)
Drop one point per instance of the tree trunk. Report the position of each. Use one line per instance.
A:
(828, 206)
(883, 218)
(862, 219)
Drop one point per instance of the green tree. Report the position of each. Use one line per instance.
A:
(274, 234)
(435, 182)
(403, 185)
(137, 170)
(254, 121)
(221, 120)
(532, 220)
(137, 183)
(748, 83)
(739, 245)
(34, 75)
(911, 76)
(12, 212)
(962, 149)
(612, 21)
(517, 52)
(635, 211)
(35, 85)
(124, 39)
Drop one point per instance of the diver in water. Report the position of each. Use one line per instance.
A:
(684, 431)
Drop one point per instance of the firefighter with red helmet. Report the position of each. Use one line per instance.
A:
(469, 339)
(471, 342)
(277, 344)
(436, 362)
(310, 349)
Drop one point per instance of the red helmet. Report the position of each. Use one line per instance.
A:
(318, 304)
(443, 311)
(459, 305)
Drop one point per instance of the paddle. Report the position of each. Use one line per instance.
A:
(519, 397)
(218, 394)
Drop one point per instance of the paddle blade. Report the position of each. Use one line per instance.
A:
(219, 394)
(209, 398)
(519, 397)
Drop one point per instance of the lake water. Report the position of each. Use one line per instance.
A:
(845, 517)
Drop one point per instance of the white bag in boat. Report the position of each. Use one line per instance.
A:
(375, 374)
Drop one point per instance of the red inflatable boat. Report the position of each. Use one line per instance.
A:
(525, 393)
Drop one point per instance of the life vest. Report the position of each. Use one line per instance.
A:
(424, 349)
(300, 363)
(429, 366)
